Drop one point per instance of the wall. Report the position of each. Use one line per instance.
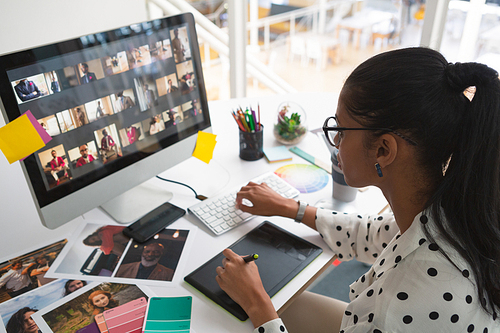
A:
(28, 23)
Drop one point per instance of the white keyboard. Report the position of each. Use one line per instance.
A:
(219, 213)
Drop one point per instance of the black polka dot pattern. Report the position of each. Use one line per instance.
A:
(402, 296)
(448, 297)
(432, 272)
(407, 269)
(261, 330)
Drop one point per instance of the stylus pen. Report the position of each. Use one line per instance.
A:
(251, 257)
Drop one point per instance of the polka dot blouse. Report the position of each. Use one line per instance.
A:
(411, 286)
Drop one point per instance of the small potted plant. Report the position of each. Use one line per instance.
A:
(290, 127)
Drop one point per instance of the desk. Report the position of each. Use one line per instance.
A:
(224, 172)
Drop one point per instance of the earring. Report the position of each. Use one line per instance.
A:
(379, 170)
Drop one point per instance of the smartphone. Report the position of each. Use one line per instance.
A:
(153, 222)
(168, 314)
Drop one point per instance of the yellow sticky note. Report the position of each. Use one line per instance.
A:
(205, 145)
(19, 139)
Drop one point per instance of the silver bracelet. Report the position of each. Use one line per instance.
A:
(302, 210)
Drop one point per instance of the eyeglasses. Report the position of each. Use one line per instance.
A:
(333, 132)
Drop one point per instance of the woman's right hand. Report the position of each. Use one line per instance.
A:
(241, 281)
(265, 201)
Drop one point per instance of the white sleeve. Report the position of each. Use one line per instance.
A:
(272, 326)
(4, 279)
(356, 236)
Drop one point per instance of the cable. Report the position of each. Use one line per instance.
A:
(198, 196)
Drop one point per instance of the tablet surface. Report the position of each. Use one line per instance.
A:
(282, 255)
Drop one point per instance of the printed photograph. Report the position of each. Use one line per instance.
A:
(96, 251)
(27, 272)
(16, 313)
(80, 309)
(156, 259)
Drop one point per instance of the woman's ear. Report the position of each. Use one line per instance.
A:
(386, 150)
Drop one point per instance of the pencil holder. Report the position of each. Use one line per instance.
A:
(251, 144)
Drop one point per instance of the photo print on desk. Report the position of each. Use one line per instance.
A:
(13, 312)
(79, 309)
(102, 253)
(25, 272)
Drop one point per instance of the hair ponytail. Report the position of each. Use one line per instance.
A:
(469, 193)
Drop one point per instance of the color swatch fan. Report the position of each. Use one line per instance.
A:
(304, 177)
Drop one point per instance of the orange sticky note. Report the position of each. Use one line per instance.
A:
(19, 138)
(205, 145)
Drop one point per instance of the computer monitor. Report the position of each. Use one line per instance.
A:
(121, 106)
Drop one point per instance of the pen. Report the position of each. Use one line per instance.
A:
(250, 257)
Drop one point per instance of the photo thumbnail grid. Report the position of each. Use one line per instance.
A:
(104, 136)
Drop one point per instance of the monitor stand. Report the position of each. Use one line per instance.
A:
(136, 202)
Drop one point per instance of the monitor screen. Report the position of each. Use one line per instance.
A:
(121, 106)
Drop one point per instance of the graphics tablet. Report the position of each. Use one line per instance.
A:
(282, 256)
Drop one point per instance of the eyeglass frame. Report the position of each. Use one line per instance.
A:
(326, 129)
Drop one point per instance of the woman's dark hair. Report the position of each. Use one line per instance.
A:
(66, 286)
(416, 92)
(16, 322)
(88, 240)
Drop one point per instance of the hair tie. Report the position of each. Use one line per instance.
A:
(469, 92)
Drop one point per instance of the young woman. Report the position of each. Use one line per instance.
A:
(101, 301)
(21, 322)
(109, 238)
(73, 285)
(426, 132)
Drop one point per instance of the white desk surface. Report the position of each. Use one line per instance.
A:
(22, 229)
